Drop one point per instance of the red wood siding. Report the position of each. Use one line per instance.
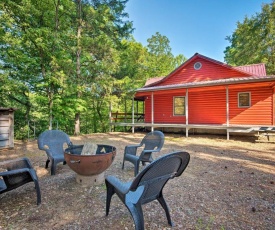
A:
(163, 109)
(208, 71)
(260, 112)
(273, 107)
(207, 107)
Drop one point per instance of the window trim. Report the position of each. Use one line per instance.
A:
(176, 115)
(197, 65)
(244, 106)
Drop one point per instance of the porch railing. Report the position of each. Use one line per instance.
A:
(118, 117)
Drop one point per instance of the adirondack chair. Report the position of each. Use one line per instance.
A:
(16, 173)
(52, 142)
(147, 186)
(152, 142)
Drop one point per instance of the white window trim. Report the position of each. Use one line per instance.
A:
(247, 106)
(176, 115)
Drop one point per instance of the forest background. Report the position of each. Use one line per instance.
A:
(63, 63)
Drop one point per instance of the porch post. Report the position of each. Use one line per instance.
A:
(110, 115)
(273, 106)
(133, 115)
(227, 112)
(152, 111)
(143, 109)
(186, 113)
(125, 109)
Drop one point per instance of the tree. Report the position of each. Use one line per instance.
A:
(100, 29)
(160, 59)
(54, 50)
(254, 40)
(137, 64)
(131, 73)
(34, 40)
(62, 62)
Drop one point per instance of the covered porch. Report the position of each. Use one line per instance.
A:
(224, 105)
(259, 131)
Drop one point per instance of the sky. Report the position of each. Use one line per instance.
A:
(192, 26)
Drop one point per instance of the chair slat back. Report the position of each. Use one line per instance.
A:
(154, 177)
(153, 140)
(53, 139)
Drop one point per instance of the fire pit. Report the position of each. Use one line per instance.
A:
(90, 168)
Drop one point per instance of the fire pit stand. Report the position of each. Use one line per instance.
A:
(90, 169)
(90, 180)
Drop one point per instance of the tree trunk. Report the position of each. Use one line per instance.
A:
(77, 124)
(78, 64)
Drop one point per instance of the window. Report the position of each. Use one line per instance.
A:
(179, 106)
(197, 65)
(244, 99)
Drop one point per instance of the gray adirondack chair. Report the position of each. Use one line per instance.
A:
(147, 186)
(52, 142)
(16, 173)
(152, 142)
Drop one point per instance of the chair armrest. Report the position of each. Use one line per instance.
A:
(120, 186)
(72, 145)
(15, 171)
(132, 146)
(131, 149)
(147, 152)
(150, 151)
(49, 153)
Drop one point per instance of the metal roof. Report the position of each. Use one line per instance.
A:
(255, 69)
(153, 80)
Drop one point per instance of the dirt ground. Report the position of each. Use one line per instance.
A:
(227, 185)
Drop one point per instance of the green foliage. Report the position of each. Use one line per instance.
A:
(67, 60)
(160, 59)
(254, 40)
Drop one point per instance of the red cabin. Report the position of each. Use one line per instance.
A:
(204, 93)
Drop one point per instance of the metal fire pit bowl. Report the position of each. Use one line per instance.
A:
(88, 165)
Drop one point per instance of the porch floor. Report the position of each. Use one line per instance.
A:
(261, 130)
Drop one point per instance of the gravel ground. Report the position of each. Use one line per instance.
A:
(227, 185)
